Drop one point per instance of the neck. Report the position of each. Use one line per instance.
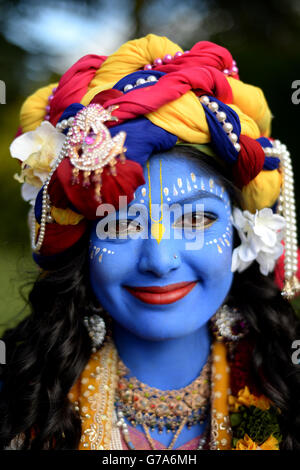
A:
(165, 364)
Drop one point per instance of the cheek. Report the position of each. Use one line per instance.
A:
(110, 264)
(212, 262)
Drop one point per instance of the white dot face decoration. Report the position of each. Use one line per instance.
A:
(97, 253)
(123, 270)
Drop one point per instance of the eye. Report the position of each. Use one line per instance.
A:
(123, 227)
(195, 220)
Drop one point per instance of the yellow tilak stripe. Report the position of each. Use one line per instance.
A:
(161, 192)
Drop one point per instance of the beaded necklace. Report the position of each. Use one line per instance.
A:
(154, 408)
(94, 395)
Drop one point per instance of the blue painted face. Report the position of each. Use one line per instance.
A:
(156, 284)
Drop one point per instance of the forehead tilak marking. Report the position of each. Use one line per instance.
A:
(213, 188)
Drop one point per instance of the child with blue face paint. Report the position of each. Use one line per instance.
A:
(156, 320)
(159, 293)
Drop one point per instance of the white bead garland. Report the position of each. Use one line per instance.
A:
(46, 216)
(141, 81)
(287, 208)
(221, 117)
(62, 125)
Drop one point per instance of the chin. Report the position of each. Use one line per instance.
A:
(160, 333)
(161, 323)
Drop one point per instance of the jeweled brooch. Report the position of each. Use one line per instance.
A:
(91, 147)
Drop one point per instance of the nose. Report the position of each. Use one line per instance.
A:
(158, 258)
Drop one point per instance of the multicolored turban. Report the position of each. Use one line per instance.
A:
(147, 97)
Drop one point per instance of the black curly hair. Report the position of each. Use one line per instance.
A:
(47, 351)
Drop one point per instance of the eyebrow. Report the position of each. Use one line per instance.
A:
(199, 195)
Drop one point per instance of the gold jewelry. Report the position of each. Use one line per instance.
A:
(228, 324)
(145, 405)
(151, 442)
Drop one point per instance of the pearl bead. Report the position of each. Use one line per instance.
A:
(213, 106)
(178, 54)
(237, 147)
(158, 61)
(267, 151)
(227, 126)
(47, 108)
(186, 52)
(140, 81)
(50, 98)
(221, 116)
(233, 137)
(168, 58)
(204, 100)
(128, 87)
(148, 67)
(234, 69)
(47, 117)
(151, 78)
(54, 89)
(226, 71)
(64, 123)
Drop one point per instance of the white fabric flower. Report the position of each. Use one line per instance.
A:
(37, 151)
(260, 234)
(29, 193)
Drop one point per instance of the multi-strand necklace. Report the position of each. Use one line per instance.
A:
(156, 409)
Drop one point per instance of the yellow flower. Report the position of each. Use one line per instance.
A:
(65, 216)
(270, 444)
(247, 444)
(248, 399)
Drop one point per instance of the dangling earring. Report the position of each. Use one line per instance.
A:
(96, 329)
(228, 324)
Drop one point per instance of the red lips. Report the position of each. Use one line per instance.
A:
(162, 295)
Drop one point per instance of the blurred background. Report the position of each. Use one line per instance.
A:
(39, 41)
